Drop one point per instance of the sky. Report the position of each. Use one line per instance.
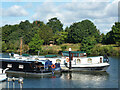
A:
(103, 13)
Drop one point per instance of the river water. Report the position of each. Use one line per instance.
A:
(108, 79)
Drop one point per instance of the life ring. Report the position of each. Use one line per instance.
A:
(53, 66)
(67, 59)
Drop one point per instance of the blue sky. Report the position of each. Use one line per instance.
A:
(102, 13)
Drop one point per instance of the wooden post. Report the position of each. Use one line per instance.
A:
(38, 53)
(69, 58)
(21, 46)
(72, 56)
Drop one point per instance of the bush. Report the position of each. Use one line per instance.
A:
(118, 43)
(63, 47)
(104, 50)
(51, 51)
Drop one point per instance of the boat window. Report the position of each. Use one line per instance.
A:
(78, 61)
(58, 60)
(9, 65)
(21, 66)
(89, 60)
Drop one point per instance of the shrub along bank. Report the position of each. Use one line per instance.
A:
(97, 50)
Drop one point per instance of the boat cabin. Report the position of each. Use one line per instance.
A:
(26, 66)
(74, 54)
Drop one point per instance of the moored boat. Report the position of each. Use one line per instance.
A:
(31, 67)
(79, 61)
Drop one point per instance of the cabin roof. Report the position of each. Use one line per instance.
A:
(25, 55)
(50, 56)
(73, 52)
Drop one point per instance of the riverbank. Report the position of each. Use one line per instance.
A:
(97, 50)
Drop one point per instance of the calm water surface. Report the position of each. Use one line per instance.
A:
(108, 79)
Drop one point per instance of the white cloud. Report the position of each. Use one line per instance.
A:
(4, 22)
(105, 20)
(104, 28)
(112, 9)
(28, 5)
(103, 14)
(14, 11)
(45, 11)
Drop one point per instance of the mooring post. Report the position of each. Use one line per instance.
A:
(20, 80)
(38, 53)
(13, 79)
(69, 58)
(8, 85)
(21, 46)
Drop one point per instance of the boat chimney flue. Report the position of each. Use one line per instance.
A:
(69, 58)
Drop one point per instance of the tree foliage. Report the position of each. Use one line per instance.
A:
(35, 43)
(38, 33)
(87, 44)
(45, 33)
(60, 37)
(116, 32)
(82, 29)
(55, 24)
(113, 36)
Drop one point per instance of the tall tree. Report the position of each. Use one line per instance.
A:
(38, 23)
(113, 36)
(87, 44)
(60, 37)
(82, 29)
(116, 32)
(108, 39)
(26, 28)
(35, 43)
(45, 33)
(55, 24)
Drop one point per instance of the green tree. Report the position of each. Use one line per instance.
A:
(116, 32)
(45, 33)
(109, 38)
(4, 46)
(67, 29)
(27, 32)
(38, 23)
(82, 29)
(60, 37)
(113, 36)
(55, 24)
(35, 43)
(87, 44)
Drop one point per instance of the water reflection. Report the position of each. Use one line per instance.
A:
(2, 85)
(86, 77)
(58, 75)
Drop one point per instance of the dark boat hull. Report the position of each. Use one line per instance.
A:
(26, 74)
(25, 67)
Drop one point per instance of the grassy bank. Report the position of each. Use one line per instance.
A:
(56, 49)
(99, 49)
